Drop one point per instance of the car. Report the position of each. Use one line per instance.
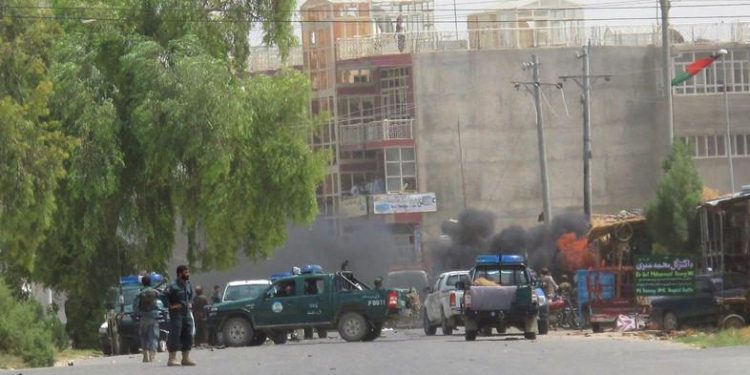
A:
(408, 279)
(501, 294)
(312, 300)
(442, 307)
(243, 289)
(706, 307)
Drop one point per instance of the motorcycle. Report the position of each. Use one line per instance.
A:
(563, 313)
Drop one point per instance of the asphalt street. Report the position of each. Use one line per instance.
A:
(410, 352)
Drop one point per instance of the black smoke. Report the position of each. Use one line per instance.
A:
(472, 234)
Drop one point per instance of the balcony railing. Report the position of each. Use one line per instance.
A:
(376, 131)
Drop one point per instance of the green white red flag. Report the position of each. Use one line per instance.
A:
(695, 68)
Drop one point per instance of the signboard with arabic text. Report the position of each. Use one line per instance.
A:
(664, 275)
(383, 204)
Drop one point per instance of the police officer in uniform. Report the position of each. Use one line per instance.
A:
(180, 294)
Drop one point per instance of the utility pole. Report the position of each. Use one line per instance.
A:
(726, 118)
(455, 18)
(667, 65)
(461, 162)
(537, 92)
(584, 81)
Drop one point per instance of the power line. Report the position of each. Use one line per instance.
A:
(229, 20)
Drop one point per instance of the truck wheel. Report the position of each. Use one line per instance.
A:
(373, 333)
(258, 339)
(500, 327)
(322, 333)
(308, 334)
(486, 331)
(279, 337)
(597, 328)
(669, 322)
(543, 326)
(732, 321)
(353, 327)
(470, 335)
(237, 332)
(446, 326)
(429, 329)
(529, 335)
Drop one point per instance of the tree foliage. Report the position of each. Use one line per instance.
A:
(33, 147)
(138, 125)
(671, 217)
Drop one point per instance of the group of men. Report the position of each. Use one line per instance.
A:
(182, 300)
(551, 288)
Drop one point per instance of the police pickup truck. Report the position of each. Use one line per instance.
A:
(314, 300)
(501, 295)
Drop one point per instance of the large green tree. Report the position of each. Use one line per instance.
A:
(32, 145)
(173, 138)
(671, 217)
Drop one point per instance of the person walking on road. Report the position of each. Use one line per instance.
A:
(145, 306)
(199, 315)
(180, 294)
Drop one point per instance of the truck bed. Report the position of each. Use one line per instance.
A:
(486, 298)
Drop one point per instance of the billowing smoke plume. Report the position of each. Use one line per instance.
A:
(367, 248)
(471, 235)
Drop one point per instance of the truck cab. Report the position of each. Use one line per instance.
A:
(501, 294)
(315, 300)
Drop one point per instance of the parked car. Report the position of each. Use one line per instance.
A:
(316, 300)
(243, 289)
(501, 294)
(442, 307)
(712, 303)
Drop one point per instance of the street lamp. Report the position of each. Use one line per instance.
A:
(723, 54)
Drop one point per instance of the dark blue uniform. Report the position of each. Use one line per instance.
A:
(180, 295)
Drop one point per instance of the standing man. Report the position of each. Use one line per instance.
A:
(216, 295)
(180, 294)
(199, 315)
(145, 306)
(548, 283)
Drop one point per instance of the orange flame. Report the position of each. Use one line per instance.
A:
(575, 251)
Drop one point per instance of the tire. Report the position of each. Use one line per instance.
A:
(308, 334)
(669, 322)
(732, 321)
(597, 328)
(470, 335)
(486, 331)
(529, 335)
(373, 333)
(279, 337)
(429, 329)
(353, 327)
(237, 332)
(543, 326)
(106, 346)
(445, 326)
(322, 333)
(500, 327)
(258, 339)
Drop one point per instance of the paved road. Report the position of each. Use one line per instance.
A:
(409, 352)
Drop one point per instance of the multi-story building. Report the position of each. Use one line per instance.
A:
(401, 100)
(369, 103)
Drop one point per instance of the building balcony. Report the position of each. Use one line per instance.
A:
(377, 134)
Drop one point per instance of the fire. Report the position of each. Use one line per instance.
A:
(575, 251)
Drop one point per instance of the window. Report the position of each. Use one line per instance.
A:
(314, 286)
(450, 284)
(715, 145)
(711, 79)
(285, 288)
(400, 169)
(394, 88)
(354, 76)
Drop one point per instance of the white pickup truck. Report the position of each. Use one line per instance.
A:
(442, 307)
